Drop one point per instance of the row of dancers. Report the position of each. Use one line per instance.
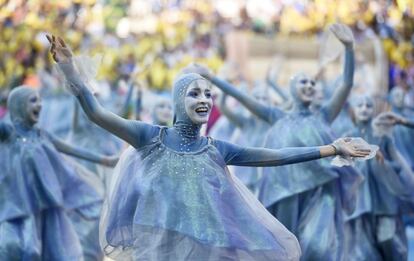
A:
(171, 195)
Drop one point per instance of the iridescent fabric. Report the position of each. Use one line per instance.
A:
(385, 183)
(169, 205)
(308, 198)
(376, 238)
(40, 192)
(47, 235)
(376, 227)
(172, 197)
(299, 130)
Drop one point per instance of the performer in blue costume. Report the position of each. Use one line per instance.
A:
(403, 132)
(43, 198)
(162, 112)
(252, 131)
(173, 198)
(309, 197)
(375, 227)
(403, 136)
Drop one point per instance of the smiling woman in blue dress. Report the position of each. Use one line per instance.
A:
(172, 197)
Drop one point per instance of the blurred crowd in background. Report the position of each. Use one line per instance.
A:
(159, 37)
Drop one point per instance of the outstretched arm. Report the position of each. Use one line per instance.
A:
(261, 157)
(339, 97)
(134, 132)
(82, 154)
(407, 123)
(236, 118)
(394, 119)
(267, 113)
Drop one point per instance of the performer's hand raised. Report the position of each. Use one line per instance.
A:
(343, 33)
(60, 51)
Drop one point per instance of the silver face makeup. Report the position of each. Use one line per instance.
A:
(198, 101)
(305, 89)
(33, 108)
(163, 111)
(363, 109)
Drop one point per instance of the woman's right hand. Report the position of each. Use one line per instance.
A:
(61, 53)
(343, 33)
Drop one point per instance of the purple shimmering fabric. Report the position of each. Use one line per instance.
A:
(170, 205)
(44, 201)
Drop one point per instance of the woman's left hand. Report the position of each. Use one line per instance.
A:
(346, 147)
(390, 118)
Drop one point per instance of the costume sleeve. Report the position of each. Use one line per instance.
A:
(339, 97)
(267, 113)
(133, 132)
(261, 157)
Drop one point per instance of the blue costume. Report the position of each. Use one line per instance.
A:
(309, 197)
(172, 197)
(343, 121)
(403, 135)
(376, 231)
(49, 205)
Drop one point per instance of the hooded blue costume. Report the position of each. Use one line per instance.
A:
(308, 197)
(375, 227)
(50, 206)
(172, 197)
